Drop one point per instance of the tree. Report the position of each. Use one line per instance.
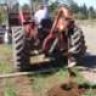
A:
(53, 6)
(15, 7)
(84, 11)
(92, 13)
(2, 14)
(26, 7)
(0, 17)
(74, 6)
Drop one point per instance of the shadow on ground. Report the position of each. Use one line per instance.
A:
(89, 63)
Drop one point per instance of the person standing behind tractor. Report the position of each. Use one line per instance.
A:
(64, 23)
(41, 14)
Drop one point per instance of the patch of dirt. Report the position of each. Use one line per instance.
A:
(2, 87)
(23, 86)
(89, 76)
(67, 89)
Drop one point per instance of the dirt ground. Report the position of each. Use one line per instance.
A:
(23, 86)
(2, 83)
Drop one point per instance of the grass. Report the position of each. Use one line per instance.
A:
(5, 67)
(9, 92)
(5, 58)
(41, 82)
(9, 89)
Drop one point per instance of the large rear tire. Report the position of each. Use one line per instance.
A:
(20, 49)
(78, 46)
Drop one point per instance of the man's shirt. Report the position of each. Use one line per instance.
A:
(40, 15)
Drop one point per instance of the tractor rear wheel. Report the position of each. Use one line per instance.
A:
(20, 49)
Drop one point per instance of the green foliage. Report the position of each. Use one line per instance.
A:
(15, 8)
(92, 13)
(5, 58)
(10, 90)
(26, 7)
(52, 8)
(84, 11)
(1, 18)
(2, 15)
(74, 7)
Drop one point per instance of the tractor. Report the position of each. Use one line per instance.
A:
(33, 45)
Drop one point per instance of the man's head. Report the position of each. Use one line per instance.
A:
(67, 12)
(65, 18)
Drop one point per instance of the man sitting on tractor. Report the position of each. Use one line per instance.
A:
(40, 14)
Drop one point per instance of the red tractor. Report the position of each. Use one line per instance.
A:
(33, 45)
